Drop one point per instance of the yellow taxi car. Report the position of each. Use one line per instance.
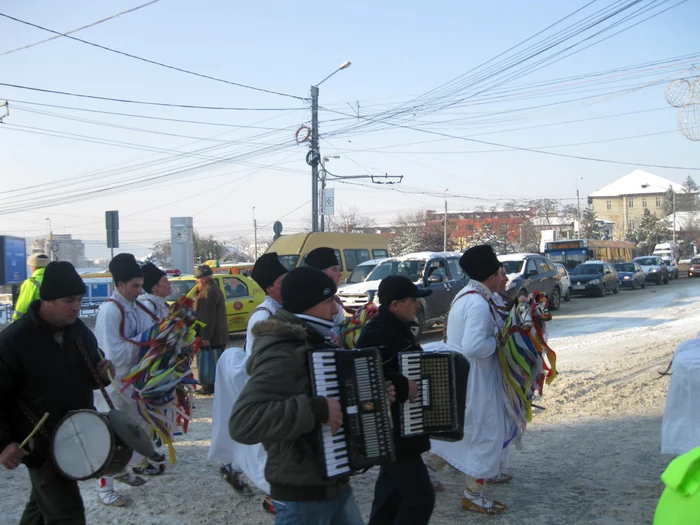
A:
(243, 295)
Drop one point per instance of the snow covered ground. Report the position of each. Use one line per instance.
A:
(590, 458)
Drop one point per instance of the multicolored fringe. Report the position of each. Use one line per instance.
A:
(162, 381)
(347, 333)
(526, 359)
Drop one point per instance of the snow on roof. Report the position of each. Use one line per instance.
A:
(638, 182)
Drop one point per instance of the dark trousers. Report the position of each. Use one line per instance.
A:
(403, 494)
(55, 500)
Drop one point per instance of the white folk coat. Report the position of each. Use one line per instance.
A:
(123, 353)
(156, 305)
(231, 377)
(471, 330)
(680, 429)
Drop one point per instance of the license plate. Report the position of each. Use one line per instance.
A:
(579, 287)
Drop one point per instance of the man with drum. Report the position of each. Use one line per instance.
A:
(43, 370)
(120, 322)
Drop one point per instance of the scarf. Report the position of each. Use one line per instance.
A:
(320, 326)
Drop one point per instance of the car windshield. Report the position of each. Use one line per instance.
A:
(180, 288)
(360, 273)
(289, 261)
(411, 269)
(647, 261)
(513, 266)
(668, 262)
(695, 261)
(624, 267)
(588, 269)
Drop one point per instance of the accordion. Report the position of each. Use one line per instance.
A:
(355, 378)
(442, 394)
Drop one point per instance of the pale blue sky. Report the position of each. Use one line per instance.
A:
(398, 50)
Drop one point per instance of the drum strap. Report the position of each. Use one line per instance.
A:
(93, 371)
(32, 418)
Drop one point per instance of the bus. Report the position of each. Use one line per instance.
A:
(573, 252)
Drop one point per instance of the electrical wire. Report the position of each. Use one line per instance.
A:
(80, 28)
(154, 62)
(142, 102)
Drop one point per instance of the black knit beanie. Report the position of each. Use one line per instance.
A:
(304, 288)
(60, 280)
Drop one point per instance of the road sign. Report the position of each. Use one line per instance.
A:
(328, 201)
(112, 225)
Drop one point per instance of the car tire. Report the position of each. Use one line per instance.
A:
(555, 299)
(644, 284)
(617, 287)
(659, 281)
(568, 295)
(420, 321)
(666, 279)
(603, 290)
(634, 285)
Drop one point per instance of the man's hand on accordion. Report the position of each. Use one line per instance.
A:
(412, 391)
(335, 415)
(390, 391)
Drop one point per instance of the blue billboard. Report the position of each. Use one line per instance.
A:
(13, 260)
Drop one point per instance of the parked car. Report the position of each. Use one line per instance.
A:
(631, 275)
(656, 270)
(439, 271)
(672, 266)
(530, 272)
(565, 282)
(594, 278)
(242, 294)
(361, 272)
(694, 267)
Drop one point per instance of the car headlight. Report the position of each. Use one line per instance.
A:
(627, 277)
(594, 281)
(654, 270)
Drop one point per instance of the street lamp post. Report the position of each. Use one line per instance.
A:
(323, 186)
(49, 241)
(316, 154)
(255, 234)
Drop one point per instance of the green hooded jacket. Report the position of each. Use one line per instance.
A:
(277, 408)
(28, 293)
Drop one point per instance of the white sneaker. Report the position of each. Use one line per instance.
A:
(111, 498)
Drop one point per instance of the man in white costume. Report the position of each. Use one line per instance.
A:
(325, 260)
(120, 322)
(680, 429)
(472, 329)
(157, 288)
(231, 377)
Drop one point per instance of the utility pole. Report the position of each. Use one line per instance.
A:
(255, 234)
(578, 207)
(315, 158)
(674, 216)
(444, 236)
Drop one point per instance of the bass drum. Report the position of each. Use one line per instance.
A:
(85, 446)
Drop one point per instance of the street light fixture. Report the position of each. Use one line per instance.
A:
(444, 232)
(315, 157)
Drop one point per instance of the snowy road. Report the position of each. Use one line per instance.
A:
(591, 458)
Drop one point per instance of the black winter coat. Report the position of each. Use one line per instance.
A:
(396, 336)
(44, 376)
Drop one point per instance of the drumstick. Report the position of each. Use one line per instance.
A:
(36, 429)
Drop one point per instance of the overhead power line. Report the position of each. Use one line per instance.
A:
(154, 62)
(80, 28)
(142, 102)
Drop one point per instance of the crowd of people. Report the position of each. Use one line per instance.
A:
(264, 412)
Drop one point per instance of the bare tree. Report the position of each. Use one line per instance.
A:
(349, 221)
(544, 209)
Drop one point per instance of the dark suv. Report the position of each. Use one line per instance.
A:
(594, 278)
(438, 271)
(530, 272)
